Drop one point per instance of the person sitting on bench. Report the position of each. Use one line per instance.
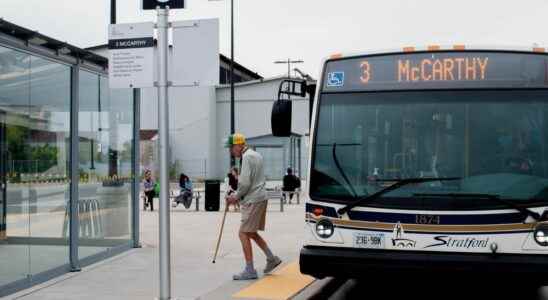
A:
(186, 190)
(148, 185)
(290, 184)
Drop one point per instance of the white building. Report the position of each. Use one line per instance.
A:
(253, 105)
(199, 122)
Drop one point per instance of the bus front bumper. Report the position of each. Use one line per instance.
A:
(323, 262)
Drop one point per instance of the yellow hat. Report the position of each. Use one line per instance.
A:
(235, 139)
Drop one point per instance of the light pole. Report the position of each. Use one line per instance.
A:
(112, 152)
(112, 11)
(232, 97)
(288, 62)
(232, 121)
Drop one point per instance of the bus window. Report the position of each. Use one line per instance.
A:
(482, 136)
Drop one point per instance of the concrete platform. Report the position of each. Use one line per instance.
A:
(134, 274)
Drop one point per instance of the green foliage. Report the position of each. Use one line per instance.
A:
(16, 138)
(32, 159)
(45, 155)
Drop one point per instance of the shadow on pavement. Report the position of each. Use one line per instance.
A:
(406, 288)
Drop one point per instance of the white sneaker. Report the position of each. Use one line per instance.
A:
(271, 264)
(246, 275)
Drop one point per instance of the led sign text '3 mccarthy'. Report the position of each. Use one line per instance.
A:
(437, 70)
(444, 69)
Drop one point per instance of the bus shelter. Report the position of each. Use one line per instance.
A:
(68, 183)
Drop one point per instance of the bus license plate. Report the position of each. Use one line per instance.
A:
(364, 240)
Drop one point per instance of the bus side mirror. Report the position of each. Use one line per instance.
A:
(282, 109)
(281, 118)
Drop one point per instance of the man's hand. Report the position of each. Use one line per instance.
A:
(231, 199)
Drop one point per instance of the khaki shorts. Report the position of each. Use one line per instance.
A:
(253, 216)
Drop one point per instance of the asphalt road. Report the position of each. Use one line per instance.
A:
(403, 288)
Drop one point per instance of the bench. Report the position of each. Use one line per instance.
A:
(196, 195)
(276, 193)
(297, 193)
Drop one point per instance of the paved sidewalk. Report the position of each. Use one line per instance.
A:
(134, 274)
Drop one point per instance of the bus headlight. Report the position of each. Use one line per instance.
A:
(325, 229)
(541, 234)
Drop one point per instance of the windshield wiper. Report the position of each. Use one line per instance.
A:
(522, 209)
(342, 171)
(398, 184)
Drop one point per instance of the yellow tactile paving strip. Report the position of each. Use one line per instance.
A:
(282, 284)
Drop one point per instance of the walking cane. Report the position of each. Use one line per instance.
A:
(220, 233)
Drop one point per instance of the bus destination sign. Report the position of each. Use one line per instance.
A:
(437, 70)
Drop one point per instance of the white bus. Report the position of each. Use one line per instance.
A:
(432, 159)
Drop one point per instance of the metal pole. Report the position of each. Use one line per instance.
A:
(74, 231)
(112, 154)
(232, 121)
(92, 146)
(289, 74)
(136, 171)
(112, 11)
(289, 68)
(165, 264)
(299, 157)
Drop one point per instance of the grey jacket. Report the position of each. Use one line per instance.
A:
(251, 182)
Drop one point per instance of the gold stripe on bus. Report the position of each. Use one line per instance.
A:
(429, 228)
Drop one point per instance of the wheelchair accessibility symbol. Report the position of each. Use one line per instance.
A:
(335, 79)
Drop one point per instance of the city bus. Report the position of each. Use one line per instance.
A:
(429, 160)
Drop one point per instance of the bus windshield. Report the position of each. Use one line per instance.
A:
(495, 141)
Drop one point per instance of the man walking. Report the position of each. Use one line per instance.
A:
(251, 195)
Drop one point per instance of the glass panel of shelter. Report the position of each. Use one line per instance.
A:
(14, 134)
(105, 131)
(47, 164)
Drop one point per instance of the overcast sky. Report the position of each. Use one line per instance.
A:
(306, 29)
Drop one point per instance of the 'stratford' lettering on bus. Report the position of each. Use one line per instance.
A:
(446, 69)
(462, 243)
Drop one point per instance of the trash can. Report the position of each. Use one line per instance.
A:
(212, 195)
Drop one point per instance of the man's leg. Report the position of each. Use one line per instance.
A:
(149, 200)
(246, 247)
(261, 243)
(272, 261)
(249, 271)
